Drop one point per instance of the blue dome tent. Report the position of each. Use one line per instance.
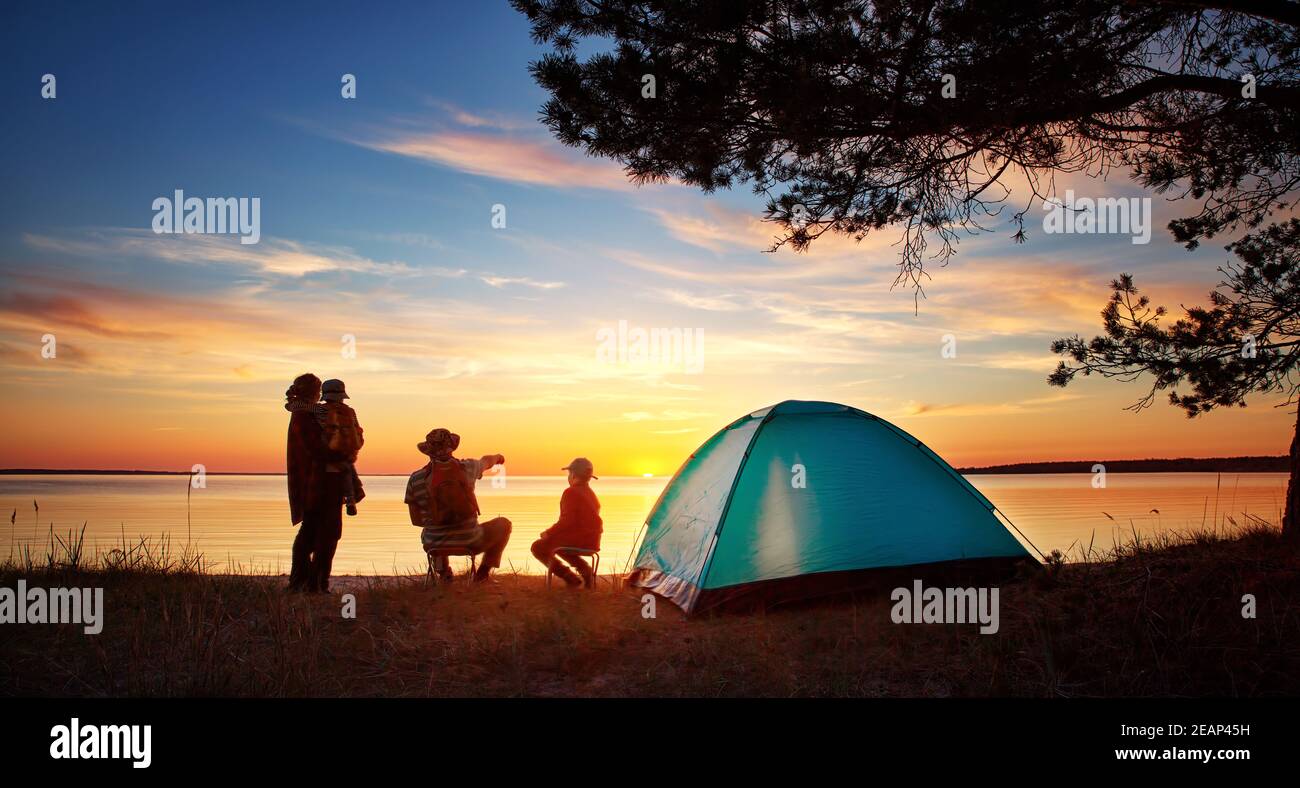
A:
(797, 498)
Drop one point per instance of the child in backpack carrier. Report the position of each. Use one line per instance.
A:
(343, 435)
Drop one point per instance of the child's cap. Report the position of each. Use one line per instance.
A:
(582, 466)
(333, 390)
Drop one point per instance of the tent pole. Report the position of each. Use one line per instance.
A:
(1021, 533)
(726, 507)
(635, 542)
(645, 525)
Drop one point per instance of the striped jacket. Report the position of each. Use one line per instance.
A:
(465, 534)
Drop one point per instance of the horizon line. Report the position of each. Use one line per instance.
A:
(965, 469)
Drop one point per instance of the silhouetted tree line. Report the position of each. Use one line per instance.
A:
(1279, 464)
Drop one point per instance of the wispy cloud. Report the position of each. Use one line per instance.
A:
(479, 119)
(710, 303)
(989, 408)
(72, 354)
(725, 230)
(422, 240)
(664, 415)
(273, 256)
(35, 309)
(514, 158)
(1025, 362)
(503, 281)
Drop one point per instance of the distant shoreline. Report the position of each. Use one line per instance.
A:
(1278, 464)
(1255, 464)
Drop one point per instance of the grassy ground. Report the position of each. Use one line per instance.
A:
(1150, 619)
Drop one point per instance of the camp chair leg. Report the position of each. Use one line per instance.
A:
(432, 575)
(434, 578)
(595, 564)
(550, 571)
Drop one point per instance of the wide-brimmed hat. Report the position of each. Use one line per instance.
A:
(333, 389)
(581, 466)
(437, 438)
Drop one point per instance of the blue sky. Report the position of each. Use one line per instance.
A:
(223, 102)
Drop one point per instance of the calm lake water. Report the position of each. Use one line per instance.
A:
(242, 522)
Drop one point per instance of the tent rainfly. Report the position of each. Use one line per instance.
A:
(797, 498)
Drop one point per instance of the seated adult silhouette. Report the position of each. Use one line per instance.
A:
(440, 498)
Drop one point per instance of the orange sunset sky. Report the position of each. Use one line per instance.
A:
(144, 379)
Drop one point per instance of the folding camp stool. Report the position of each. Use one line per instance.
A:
(448, 552)
(585, 552)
